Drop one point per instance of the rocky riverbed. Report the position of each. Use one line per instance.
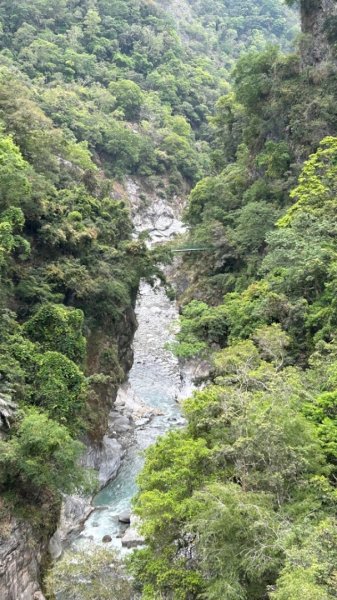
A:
(146, 406)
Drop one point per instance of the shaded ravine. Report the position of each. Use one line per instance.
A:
(147, 405)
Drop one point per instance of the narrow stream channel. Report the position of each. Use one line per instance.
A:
(155, 382)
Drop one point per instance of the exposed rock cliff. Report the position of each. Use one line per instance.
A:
(319, 26)
(20, 562)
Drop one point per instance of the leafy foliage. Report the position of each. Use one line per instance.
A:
(229, 519)
(88, 576)
(40, 455)
(57, 328)
(259, 521)
(241, 502)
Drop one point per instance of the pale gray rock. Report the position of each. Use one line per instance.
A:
(105, 458)
(75, 510)
(8, 409)
(20, 557)
(125, 517)
(120, 424)
(132, 538)
(160, 216)
(55, 547)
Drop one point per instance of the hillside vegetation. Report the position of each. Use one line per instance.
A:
(91, 92)
(241, 503)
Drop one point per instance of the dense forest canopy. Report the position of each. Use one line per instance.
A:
(195, 95)
(241, 503)
(90, 93)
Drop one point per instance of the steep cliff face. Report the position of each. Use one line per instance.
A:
(20, 562)
(109, 353)
(319, 26)
(22, 550)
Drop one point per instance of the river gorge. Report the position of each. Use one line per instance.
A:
(147, 404)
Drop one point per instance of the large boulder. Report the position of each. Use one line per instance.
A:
(125, 517)
(132, 538)
(74, 512)
(105, 458)
(106, 539)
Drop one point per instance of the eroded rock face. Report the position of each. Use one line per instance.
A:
(20, 559)
(7, 414)
(105, 458)
(75, 510)
(319, 24)
(159, 216)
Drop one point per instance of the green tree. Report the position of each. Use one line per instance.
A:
(226, 521)
(15, 186)
(310, 570)
(60, 388)
(129, 97)
(60, 329)
(238, 541)
(41, 454)
(89, 576)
